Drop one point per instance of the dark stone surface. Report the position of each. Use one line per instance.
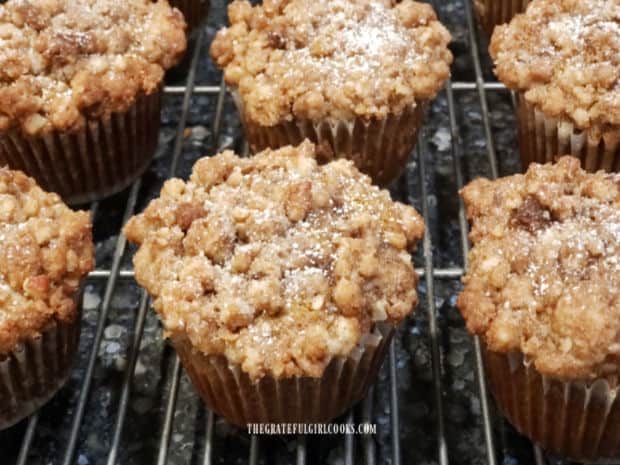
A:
(418, 438)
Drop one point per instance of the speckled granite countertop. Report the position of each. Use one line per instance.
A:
(462, 410)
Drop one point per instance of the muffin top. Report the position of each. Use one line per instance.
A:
(65, 61)
(45, 250)
(274, 261)
(339, 58)
(565, 55)
(544, 275)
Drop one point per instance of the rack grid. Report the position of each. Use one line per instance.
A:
(356, 449)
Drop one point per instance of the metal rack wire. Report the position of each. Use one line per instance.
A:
(112, 276)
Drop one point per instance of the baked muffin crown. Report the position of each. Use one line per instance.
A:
(565, 56)
(274, 261)
(339, 58)
(64, 61)
(544, 273)
(45, 251)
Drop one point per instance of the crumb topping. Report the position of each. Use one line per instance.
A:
(65, 61)
(565, 56)
(544, 274)
(45, 251)
(338, 58)
(274, 261)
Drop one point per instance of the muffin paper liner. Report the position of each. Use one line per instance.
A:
(194, 11)
(230, 392)
(35, 370)
(99, 160)
(543, 139)
(491, 13)
(579, 419)
(378, 147)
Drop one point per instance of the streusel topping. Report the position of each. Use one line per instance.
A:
(339, 58)
(544, 273)
(64, 61)
(565, 55)
(274, 261)
(45, 251)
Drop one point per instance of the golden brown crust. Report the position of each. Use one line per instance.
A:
(45, 251)
(65, 61)
(274, 261)
(339, 59)
(544, 275)
(565, 56)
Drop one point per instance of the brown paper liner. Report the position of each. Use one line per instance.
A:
(491, 13)
(35, 370)
(230, 392)
(194, 11)
(378, 147)
(579, 419)
(100, 160)
(543, 139)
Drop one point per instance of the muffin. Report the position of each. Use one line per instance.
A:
(80, 87)
(278, 281)
(562, 57)
(491, 13)
(543, 293)
(45, 252)
(353, 76)
(194, 11)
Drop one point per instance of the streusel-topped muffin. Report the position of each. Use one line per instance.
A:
(543, 285)
(296, 64)
(340, 59)
(45, 252)
(543, 271)
(280, 265)
(275, 261)
(563, 57)
(76, 75)
(65, 62)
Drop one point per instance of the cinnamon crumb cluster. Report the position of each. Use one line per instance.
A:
(544, 275)
(65, 61)
(45, 251)
(565, 56)
(341, 58)
(274, 261)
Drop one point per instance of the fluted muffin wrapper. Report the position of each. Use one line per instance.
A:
(229, 391)
(101, 159)
(542, 139)
(32, 373)
(579, 419)
(194, 11)
(491, 13)
(379, 147)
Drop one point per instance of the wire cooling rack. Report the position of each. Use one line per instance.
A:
(129, 402)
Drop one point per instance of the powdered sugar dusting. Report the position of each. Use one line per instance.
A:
(581, 247)
(360, 41)
(579, 30)
(370, 40)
